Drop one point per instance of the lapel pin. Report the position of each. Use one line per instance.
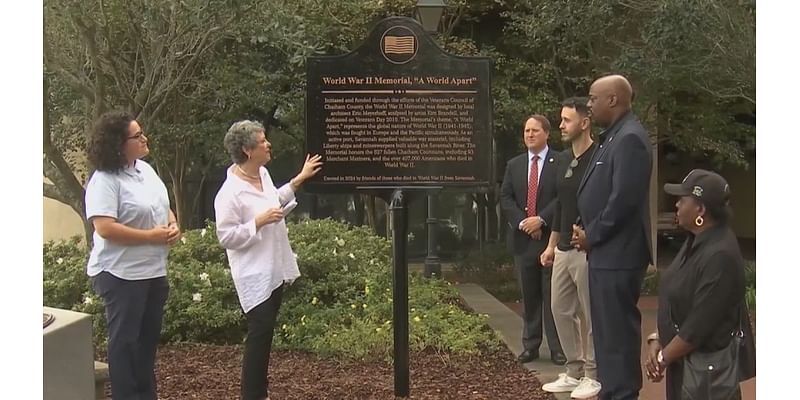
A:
(551, 160)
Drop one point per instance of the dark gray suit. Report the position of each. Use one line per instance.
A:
(613, 204)
(534, 279)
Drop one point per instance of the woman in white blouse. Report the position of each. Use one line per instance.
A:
(250, 226)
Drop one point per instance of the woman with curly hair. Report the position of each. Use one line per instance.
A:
(128, 205)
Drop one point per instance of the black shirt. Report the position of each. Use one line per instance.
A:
(702, 290)
(566, 209)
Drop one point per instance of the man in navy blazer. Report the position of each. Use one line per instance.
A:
(529, 219)
(614, 231)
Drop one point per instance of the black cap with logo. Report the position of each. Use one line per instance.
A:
(707, 186)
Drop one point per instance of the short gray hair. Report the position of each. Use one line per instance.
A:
(242, 134)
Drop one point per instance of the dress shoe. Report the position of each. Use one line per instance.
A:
(558, 358)
(528, 356)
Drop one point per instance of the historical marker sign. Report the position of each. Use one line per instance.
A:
(399, 112)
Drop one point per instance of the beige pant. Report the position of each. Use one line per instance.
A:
(572, 312)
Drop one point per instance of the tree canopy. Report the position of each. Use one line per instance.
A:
(189, 68)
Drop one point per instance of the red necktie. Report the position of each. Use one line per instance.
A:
(533, 185)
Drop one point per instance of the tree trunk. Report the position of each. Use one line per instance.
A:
(358, 203)
(194, 207)
(313, 208)
(492, 227)
(88, 232)
(177, 175)
(65, 187)
(372, 213)
(480, 199)
(180, 203)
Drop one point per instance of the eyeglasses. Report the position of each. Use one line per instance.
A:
(572, 165)
(137, 136)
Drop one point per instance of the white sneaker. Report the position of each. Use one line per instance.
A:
(564, 383)
(587, 388)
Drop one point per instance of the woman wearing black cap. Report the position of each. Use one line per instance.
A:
(701, 299)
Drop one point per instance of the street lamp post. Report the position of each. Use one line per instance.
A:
(429, 14)
(433, 266)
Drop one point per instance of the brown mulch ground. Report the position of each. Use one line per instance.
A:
(206, 372)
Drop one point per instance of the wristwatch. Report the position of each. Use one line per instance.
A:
(544, 223)
(660, 358)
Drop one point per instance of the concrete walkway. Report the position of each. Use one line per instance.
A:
(508, 324)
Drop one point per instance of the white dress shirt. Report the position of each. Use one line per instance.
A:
(540, 162)
(261, 260)
(136, 197)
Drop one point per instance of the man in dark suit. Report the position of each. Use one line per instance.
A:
(614, 231)
(527, 197)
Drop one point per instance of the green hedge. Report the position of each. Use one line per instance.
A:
(341, 306)
(750, 285)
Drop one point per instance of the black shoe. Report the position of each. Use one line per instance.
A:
(528, 356)
(558, 358)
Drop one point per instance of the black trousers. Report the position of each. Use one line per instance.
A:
(617, 331)
(534, 282)
(257, 346)
(134, 312)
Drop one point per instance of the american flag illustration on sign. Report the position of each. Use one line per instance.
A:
(399, 44)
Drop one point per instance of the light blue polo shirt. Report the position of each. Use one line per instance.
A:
(135, 197)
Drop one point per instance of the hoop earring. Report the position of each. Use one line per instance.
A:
(699, 221)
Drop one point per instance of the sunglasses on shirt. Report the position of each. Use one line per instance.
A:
(572, 165)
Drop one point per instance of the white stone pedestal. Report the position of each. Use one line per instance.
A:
(68, 356)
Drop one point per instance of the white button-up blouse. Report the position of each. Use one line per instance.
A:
(261, 260)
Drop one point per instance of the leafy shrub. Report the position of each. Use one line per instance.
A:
(66, 285)
(203, 305)
(92, 304)
(650, 283)
(341, 305)
(65, 281)
(343, 302)
(750, 285)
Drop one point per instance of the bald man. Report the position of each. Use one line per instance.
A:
(614, 230)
